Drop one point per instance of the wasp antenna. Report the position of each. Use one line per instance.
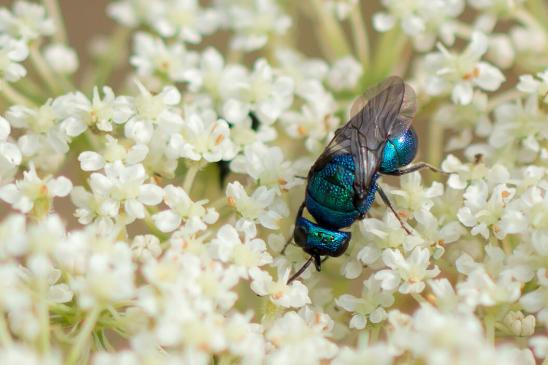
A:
(301, 270)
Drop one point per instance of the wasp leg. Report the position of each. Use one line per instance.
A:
(301, 270)
(318, 262)
(299, 214)
(415, 167)
(282, 252)
(301, 177)
(389, 205)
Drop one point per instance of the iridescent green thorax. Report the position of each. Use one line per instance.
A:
(329, 194)
(399, 151)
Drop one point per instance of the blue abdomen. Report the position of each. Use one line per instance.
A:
(329, 193)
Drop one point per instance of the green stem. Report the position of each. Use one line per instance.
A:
(13, 96)
(374, 334)
(503, 98)
(54, 11)
(191, 173)
(83, 336)
(435, 145)
(388, 53)
(44, 71)
(110, 59)
(331, 35)
(361, 39)
(539, 8)
(524, 17)
(489, 322)
(43, 315)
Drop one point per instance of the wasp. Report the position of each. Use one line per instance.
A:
(379, 139)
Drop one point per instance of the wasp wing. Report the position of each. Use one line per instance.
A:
(385, 110)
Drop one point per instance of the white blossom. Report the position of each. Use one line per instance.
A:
(460, 73)
(35, 192)
(406, 274)
(63, 59)
(369, 307)
(124, 187)
(27, 21)
(12, 53)
(262, 207)
(183, 208)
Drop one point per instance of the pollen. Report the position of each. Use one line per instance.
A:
(219, 139)
(505, 194)
(472, 74)
(431, 298)
(301, 130)
(231, 201)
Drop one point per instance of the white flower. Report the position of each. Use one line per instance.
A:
(27, 21)
(320, 106)
(413, 196)
(492, 281)
(412, 270)
(150, 112)
(12, 53)
(482, 211)
(521, 124)
(203, 136)
(294, 295)
(296, 342)
(264, 92)
(460, 73)
(421, 20)
(263, 207)
(183, 208)
(465, 120)
(34, 192)
(154, 58)
(266, 165)
(133, 12)
(124, 186)
(530, 85)
(370, 306)
(146, 247)
(186, 20)
(536, 301)
(345, 74)
(216, 78)
(518, 324)
(244, 255)
(462, 174)
(376, 354)
(62, 59)
(253, 22)
(41, 126)
(108, 276)
(98, 113)
(112, 151)
(10, 156)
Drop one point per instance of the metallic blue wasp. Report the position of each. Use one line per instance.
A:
(342, 183)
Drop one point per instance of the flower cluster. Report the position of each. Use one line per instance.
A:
(148, 221)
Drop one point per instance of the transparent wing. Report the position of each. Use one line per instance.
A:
(384, 110)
